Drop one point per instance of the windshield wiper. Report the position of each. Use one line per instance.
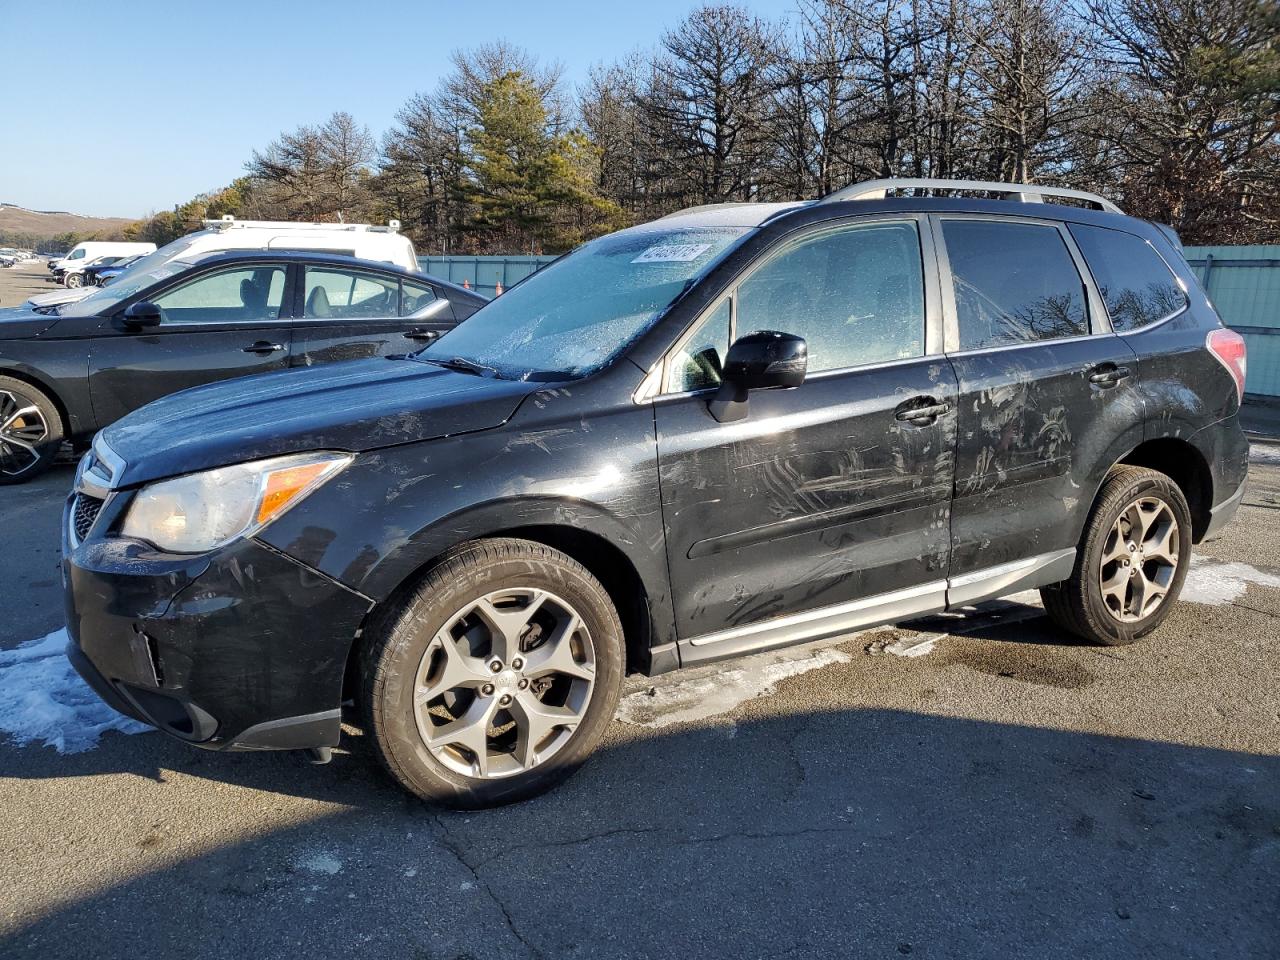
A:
(464, 365)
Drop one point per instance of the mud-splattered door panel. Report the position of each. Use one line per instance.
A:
(822, 495)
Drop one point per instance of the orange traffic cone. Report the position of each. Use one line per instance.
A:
(499, 292)
(466, 284)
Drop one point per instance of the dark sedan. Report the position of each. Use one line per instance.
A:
(72, 370)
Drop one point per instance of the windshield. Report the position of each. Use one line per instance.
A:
(124, 286)
(574, 316)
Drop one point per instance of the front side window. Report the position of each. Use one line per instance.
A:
(699, 361)
(415, 297)
(76, 255)
(1135, 282)
(244, 295)
(1013, 282)
(576, 315)
(856, 294)
(349, 294)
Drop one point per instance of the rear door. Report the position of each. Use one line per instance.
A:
(229, 322)
(350, 313)
(829, 504)
(1047, 397)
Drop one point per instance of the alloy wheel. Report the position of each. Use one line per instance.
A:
(504, 684)
(1139, 559)
(22, 429)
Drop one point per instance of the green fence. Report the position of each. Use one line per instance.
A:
(1244, 284)
(483, 274)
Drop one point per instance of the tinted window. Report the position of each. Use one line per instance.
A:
(855, 294)
(699, 361)
(1014, 283)
(346, 294)
(415, 297)
(1134, 281)
(230, 296)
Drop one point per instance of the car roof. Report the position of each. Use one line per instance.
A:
(220, 257)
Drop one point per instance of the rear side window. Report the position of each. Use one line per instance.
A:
(856, 294)
(1136, 284)
(415, 297)
(349, 294)
(1014, 283)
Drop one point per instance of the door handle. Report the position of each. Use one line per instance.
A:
(1108, 376)
(418, 333)
(263, 347)
(921, 415)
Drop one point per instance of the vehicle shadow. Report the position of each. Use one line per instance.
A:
(834, 833)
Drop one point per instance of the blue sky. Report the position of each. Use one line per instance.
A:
(123, 109)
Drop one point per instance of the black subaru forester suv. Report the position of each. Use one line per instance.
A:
(731, 429)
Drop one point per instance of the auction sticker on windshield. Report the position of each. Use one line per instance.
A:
(673, 253)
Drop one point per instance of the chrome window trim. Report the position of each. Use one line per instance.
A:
(1026, 344)
(650, 388)
(1093, 301)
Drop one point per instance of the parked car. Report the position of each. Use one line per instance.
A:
(66, 374)
(728, 430)
(68, 270)
(361, 240)
(113, 266)
(82, 276)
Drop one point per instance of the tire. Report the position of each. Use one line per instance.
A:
(405, 655)
(73, 280)
(30, 440)
(1142, 584)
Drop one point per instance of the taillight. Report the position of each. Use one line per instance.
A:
(1228, 346)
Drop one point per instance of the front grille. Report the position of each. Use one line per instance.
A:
(83, 514)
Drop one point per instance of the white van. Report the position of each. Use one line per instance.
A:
(70, 267)
(361, 240)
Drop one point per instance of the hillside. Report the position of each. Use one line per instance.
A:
(39, 223)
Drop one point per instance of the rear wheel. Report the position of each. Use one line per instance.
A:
(496, 678)
(1131, 562)
(30, 431)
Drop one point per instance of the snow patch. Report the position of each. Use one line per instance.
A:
(715, 692)
(43, 700)
(322, 863)
(1264, 453)
(1217, 583)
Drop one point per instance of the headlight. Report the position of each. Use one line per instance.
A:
(202, 511)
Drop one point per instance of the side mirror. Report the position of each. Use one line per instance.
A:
(144, 313)
(758, 361)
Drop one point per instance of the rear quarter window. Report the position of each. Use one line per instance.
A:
(1136, 284)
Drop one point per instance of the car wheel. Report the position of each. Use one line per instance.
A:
(30, 431)
(496, 677)
(1131, 562)
(74, 280)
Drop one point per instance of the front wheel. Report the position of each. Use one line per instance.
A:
(74, 280)
(1131, 561)
(30, 431)
(496, 677)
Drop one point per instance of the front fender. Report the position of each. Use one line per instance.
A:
(395, 510)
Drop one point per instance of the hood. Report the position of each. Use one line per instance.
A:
(21, 323)
(57, 297)
(358, 405)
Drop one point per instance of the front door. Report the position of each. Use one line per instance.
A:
(350, 313)
(1047, 396)
(222, 324)
(828, 506)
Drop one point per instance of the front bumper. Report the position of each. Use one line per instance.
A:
(242, 649)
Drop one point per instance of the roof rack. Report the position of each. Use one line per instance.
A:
(1024, 192)
(228, 221)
